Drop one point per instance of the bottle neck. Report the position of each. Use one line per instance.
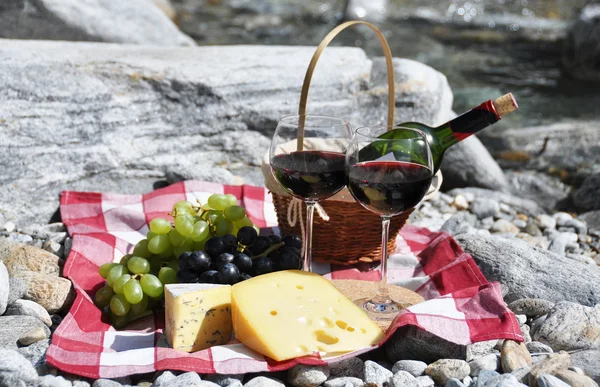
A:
(468, 123)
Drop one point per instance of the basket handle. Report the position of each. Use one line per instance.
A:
(313, 62)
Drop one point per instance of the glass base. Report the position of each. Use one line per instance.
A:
(387, 310)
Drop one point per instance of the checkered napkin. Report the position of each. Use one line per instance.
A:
(462, 306)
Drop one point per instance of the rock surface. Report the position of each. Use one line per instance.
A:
(15, 370)
(12, 328)
(53, 293)
(583, 45)
(514, 355)
(530, 272)
(587, 197)
(412, 343)
(103, 112)
(553, 363)
(19, 257)
(588, 361)
(307, 376)
(29, 308)
(444, 369)
(133, 21)
(4, 288)
(526, 206)
(531, 307)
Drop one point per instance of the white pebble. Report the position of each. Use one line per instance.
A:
(545, 221)
(9, 227)
(460, 202)
(562, 218)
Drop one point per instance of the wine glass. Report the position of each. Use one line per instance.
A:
(387, 177)
(307, 158)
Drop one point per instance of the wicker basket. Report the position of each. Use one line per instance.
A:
(344, 232)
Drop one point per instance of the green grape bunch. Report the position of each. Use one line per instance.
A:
(134, 286)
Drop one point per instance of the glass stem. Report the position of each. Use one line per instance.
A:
(310, 209)
(382, 292)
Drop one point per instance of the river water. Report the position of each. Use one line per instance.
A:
(485, 47)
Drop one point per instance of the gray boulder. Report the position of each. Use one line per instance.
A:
(111, 118)
(412, 343)
(582, 46)
(592, 218)
(132, 21)
(587, 197)
(15, 370)
(526, 206)
(570, 326)
(12, 328)
(530, 272)
(545, 190)
(589, 361)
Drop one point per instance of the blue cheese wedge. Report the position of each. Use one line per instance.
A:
(197, 316)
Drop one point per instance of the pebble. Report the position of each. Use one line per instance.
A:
(12, 328)
(403, 379)
(521, 318)
(353, 367)
(459, 222)
(225, 380)
(164, 379)
(522, 374)
(108, 383)
(262, 381)
(425, 381)
(36, 354)
(577, 370)
(514, 355)
(460, 202)
(537, 347)
(54, 248)
(504, 226)
(486, 376)
(545, 221)
(9, 227)
(520, 223)
(546, 380)
(444, 369)
(533, 230)
(29, 308)
(81, 383)
(413, 367)
(488, 362)
(504, 380)
(569, 326)
(57, 237)
(307, 376)
(574, 379)
(34, 336)
(480, 349)
(561, 218)
(347, 381)
(467, 381)
(525, 331)
(483, 207)
(50, 228)
(20, 238)
(15, 370)
(53, 381)
(552, 363)
(569, 237)
(454, 383)
(19, 258)
(579, 226)
(374, 373)
(486, 223)
(4, 288)
(557, 246)
(186, 379)
(50, 291)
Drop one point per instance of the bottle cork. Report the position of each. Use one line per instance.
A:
(505, 104)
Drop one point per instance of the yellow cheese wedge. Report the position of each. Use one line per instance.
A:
(293, 313)
(197, 316)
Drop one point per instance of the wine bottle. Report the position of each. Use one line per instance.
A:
(444, 136)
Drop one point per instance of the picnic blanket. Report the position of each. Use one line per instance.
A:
(461, 305)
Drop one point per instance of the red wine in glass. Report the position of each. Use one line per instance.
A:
(312, 175)
(388, 187)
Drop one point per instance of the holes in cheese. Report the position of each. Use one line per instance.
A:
(306, 317)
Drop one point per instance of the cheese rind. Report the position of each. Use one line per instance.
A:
(292, 313)
(197, 316)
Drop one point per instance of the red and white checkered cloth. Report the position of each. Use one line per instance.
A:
(461, 307)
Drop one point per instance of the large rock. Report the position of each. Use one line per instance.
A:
(570, 326)
(526, 206)
(29, 308)
(412, 343)
(132, 21)
(54, 293)
(545, 190)
(15, 370)
(588, 361)
(113, 117)
(12, 328)
(587, 197)
(582, 46)
(530, 272)
(19, 257)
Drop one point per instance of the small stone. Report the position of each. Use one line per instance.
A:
(569, 237)
(480, 349)
(353, 367)
(522, 374)
(425, 381)
(557, 246)
(404, 379)
(164, 379)
(17, 289)
(547, 380)
(53, 381)
(486, 376)
(57, 237)
(460, 202)
(107, 383)
(54, 248)
(345, 381)
(574, 379)
(520, 223)
(579, 226)
(4, 288)
(34, 336)
(18, 257)
(81, 383)
(531, 307)
(307, 376)
(551, 364)
(454, 383)
(504, 226)
(374, 373)
(12, 328)
(545, 221)
(459, 223)
(525, 331)
(514, 356)
(16, 237)
(467, 381)
(537, 347)
(51, 228)
(15, 370)
(577, 370)
(533, 230)
(9, 227)
(186, 379)
(262, 381)
(489, 362)
(413, 367)
(36, 354)
(53, 293)
(521, 318)
(225, 380)
(29, 308)
(561, 218)
(483, 207)
(444, 369)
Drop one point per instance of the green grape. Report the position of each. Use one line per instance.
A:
(244, 222)
(150, 235)
(167, 275)
(174, 264)
(234, 213)
(138, 308)
(151, 285)
(120, 282)
(115, 273)
(184, 225)
(133, 291)
(182, 207)
(119, 306)
(138, 265)
(231, 199)
(119, 321)
(218, 201)
(167, 254)
(105, 268)
(200, 232)
(206, 207)
(176, 238)
(160, 226)
(213, 215)
(159, 244)
(103, 296)
(223, 226)
(141, 249)
(124, 259)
